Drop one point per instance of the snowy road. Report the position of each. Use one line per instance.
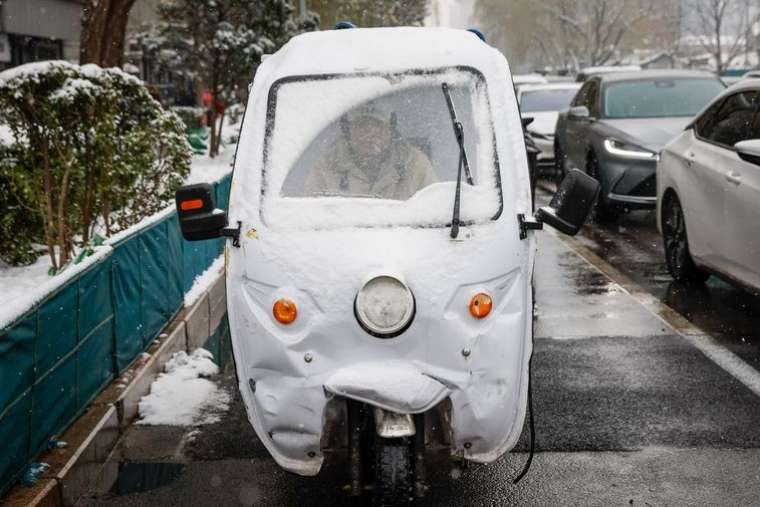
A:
(628, 411)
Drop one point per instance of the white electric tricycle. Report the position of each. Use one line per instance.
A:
(379, 272)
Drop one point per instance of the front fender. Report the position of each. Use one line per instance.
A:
(398, 386)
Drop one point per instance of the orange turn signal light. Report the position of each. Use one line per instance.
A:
(285, 311)
(480, 305)
(191, 204)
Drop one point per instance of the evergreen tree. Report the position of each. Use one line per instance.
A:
(374, 13)
(219, 44)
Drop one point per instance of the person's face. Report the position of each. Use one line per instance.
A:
(369, 136)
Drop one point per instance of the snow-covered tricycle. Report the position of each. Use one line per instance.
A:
(379, 273)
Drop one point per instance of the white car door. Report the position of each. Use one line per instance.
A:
(714, 201)
(742, 216)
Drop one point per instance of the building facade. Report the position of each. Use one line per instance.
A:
(36, 30)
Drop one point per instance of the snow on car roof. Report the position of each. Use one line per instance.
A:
(377, 50)
(550, 86)
(655, 74)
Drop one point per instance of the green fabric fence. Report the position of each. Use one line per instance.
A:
(59, 355)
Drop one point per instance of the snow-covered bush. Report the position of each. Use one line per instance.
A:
(89, 148)
(192, 117)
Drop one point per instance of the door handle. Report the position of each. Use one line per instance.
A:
(734, 178)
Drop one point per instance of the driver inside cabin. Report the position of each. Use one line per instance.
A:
(370, 159)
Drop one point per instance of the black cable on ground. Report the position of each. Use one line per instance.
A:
(531, 423)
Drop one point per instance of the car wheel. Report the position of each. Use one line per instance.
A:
(601, 212)
(677, 255)
(559, 163)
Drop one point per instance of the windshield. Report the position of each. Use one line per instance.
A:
(537, 101)
(374, 150)
(652, 98)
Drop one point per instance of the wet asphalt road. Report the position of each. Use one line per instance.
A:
(628, 412)
(634, 246)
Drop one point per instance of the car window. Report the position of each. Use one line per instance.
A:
(754, 129)
(534, 101)
(659, 97)
(591, 98)
(730, 121)
(580, 98)
(703, 124)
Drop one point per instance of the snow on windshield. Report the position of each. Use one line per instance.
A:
(368, 150)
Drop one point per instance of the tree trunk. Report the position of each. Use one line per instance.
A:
(214, 145)
(219, 132)
(48, 213)
(104, 28)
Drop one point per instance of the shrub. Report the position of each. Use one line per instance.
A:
(88, 147)
(192, 117)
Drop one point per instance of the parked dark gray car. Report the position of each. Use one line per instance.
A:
(617, 124)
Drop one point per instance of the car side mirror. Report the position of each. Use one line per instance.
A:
(527, 121)
(199, 218)
(579, 113)
(749, 151)
(571, 204)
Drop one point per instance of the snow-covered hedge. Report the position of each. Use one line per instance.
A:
(82, 149)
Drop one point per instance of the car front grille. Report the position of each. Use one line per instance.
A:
(647, 188)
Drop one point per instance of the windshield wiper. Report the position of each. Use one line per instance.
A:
(463, 162)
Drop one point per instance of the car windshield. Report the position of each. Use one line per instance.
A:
(374, 150)
(659, 97)
(536, 101)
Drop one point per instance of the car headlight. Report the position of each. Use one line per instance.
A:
(625, 150)
(384, 307)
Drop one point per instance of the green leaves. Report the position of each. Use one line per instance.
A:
(89, 150)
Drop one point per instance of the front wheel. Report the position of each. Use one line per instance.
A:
(559, 163)
(677, 255)
(394, 472)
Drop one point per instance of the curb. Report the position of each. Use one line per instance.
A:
(84, 465)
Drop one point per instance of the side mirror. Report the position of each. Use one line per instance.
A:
(749, 151)
(579, 113)
(199, 218)
(570, 206)
(527, 121)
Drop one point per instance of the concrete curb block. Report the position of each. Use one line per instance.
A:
(139, 386)
(88, 467)
(197, 322)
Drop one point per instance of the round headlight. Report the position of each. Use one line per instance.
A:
(384, 307)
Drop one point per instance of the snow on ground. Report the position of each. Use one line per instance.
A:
(203, 281)
(184, 395)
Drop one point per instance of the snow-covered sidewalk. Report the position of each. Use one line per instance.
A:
(184, 395)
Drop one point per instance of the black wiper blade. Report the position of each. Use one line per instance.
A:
(463, 162)
(458, 132)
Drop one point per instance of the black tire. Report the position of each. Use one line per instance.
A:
(601, 212)
(394, 472)
(559, 163)
(677, 256)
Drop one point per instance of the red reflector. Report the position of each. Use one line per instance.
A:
(191, 204)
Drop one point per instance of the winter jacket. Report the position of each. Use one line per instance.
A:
(399, 174)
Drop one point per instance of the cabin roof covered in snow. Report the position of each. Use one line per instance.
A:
(377, 50)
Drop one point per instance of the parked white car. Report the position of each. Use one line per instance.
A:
(708, 192)
(543, 102)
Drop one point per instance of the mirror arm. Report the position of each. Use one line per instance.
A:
(234, 233)
(528, 224)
